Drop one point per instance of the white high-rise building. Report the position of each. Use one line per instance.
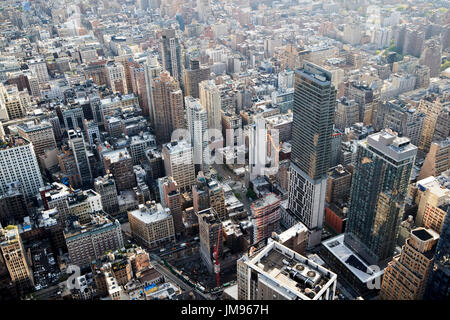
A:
(210, 99)
(257, 147)
(178, 163)
(18, 163)
(197, 125)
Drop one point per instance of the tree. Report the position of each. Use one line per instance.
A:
(250, 194)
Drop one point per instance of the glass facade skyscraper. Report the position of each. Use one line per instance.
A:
(312, 129)
(378, 193)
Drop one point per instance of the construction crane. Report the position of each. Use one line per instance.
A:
(216, 257)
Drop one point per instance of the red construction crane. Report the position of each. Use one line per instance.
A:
(216, 257)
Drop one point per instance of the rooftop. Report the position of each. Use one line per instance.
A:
(150, 213)
(293, 274)
(389, 144)
(350, 259)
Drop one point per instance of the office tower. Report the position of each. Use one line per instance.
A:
(171, 54)
(13, 255)
(76, 142)
(401, 117)
(197, 123)
(120, 164)
(126, 60)
(106, 187)
(13, 206)
(116, 77)
(211, 236)
(73, 117)
(437, 159)
(193, 77)
(432, 197)
(209, 193)
(18, 163)
(265, 216)
(139, 87)
(178, 163)
(257, 147)
(40, 135)
(152, 70)
(406, 276)
(347, 113)
(432, 107)
(336, 147)
(139, 144)
(365, 97)
(156, 164)
(378, 194)
(168, 107)
(69, 168)
(231, 123)
(442, 129)
(312, 129)
(11, 104)
(152, 225)
(171, 198)
(91, 131)
(431, 57)
(92, 240)
(438, 287)
(57, 131)
(338, 186)
(275, 272)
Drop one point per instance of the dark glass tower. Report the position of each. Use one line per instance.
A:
(171, 54)
(312, 129)
(377, 196)
(438, 284)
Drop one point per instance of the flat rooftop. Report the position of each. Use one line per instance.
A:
(295, 275)
(390, 145)
(350, 259)
(151, 213)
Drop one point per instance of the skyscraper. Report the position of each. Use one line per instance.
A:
(178, 163)
(193, 76)
(168, 107)
(197, 122)
(438, 287)
(40, 135)
(18, 163)
(171, 54)
(210, 99)
(171, 198)
(378, 193)
(312, 129)
(407, 274)
(78, 147)
(14, 256)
